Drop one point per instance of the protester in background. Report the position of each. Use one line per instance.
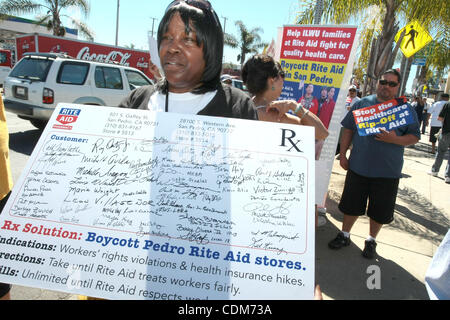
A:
(226, 79)
(444, 143)
(419, 106)
(435, 124)
(352, 98)
(373, 169)
(190, 43)
(425, 115)
(264, 80)
(6, 181)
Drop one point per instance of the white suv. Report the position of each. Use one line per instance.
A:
(39, 81)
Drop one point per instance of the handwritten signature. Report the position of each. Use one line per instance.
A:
(264, 209)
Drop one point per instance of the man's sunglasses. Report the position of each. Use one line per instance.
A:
(391, 84)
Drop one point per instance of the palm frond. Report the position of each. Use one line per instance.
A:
(83, 29)
(230, 40)
(15, 7)
(53, 12)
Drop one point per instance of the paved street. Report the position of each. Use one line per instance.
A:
(405, 247)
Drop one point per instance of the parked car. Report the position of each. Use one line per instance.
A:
(39, 81)
(238, 84)
(230, 80)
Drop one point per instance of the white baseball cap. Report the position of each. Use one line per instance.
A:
(225, 77)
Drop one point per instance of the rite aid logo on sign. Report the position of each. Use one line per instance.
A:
(66, 116)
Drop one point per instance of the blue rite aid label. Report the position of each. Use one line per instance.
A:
(68, 115)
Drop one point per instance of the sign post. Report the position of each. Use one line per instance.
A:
(416, 37)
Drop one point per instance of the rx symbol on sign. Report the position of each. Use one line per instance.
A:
(287, 136)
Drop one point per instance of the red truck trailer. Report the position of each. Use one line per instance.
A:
(83, 50)
(5, 64)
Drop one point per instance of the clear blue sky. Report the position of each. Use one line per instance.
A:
(136, 19)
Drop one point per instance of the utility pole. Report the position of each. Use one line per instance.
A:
(224, 23)
(318, 11)
(153, 24)
(224, 26)
(117, 22)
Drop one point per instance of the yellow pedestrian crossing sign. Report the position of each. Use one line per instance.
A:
(416, 37)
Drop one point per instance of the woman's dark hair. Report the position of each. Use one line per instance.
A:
(257, 70)
(209, 33)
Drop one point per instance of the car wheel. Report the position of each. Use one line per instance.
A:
(40, 124)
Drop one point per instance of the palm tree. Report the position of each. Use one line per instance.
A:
(250, 41)
(379, 42)
(53, 13)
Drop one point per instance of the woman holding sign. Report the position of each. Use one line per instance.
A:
(190, 44)
(264, 79)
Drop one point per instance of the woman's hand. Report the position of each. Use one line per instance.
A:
(153, 68)
(282, 106)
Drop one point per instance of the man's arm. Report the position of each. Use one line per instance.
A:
(444, 112)
(346, 140)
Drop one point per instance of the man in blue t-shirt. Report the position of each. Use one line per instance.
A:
(373, 168)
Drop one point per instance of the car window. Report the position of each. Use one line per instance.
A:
(3, 57)
(73, 73)
(108, 78)
(135, 79)
(33, 69)
(238, 84)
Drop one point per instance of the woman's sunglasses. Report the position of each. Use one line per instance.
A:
(205, 5)
(199, 4)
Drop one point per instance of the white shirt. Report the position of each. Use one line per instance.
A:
(434, 110)
(437, 276)
(354, 100)
(186, 103)
(348, 105)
